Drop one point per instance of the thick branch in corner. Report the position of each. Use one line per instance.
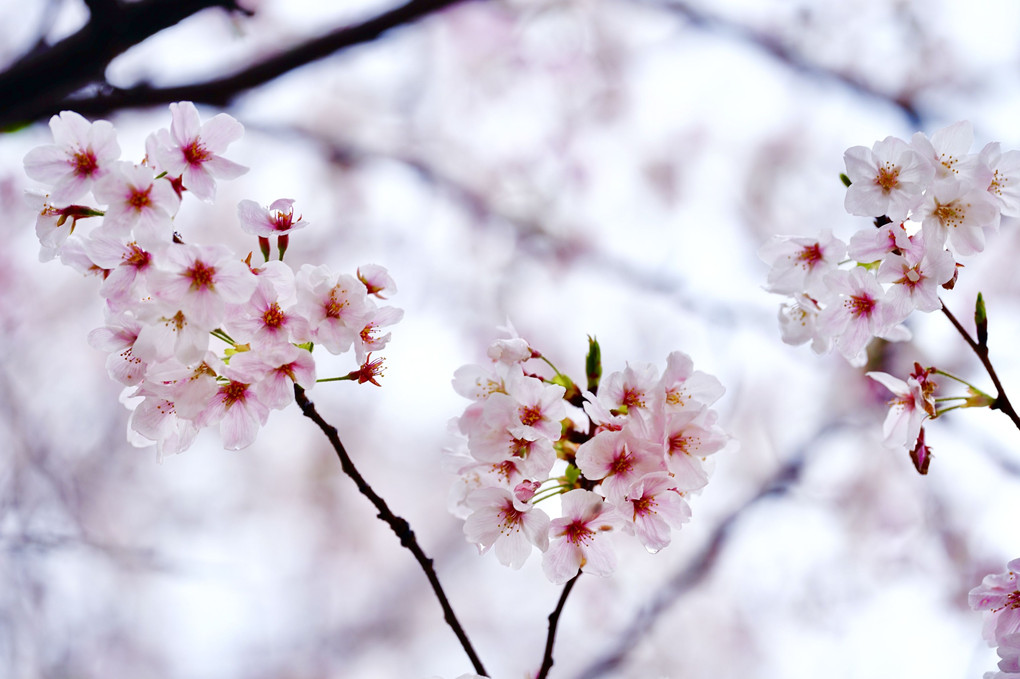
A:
(81, 60)
(36, 85)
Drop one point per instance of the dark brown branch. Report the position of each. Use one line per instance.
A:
(554, 620)
(32, 87)
(398, 524)
(219, 92)
(1001, 400)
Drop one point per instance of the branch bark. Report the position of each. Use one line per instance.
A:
(398, 524)
(43, 83)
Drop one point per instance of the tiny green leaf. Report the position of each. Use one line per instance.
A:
(572, 475)
(846, 180)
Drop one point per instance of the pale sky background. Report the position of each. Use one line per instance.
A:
(580, 168)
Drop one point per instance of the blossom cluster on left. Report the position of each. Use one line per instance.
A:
(198, 335)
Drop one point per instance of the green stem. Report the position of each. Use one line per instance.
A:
(958, 379)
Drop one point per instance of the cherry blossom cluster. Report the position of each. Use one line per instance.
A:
(198, 335)
(622, 456)
(998, 597)
(933, 202)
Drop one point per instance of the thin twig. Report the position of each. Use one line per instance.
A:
(554, 619)
(398, 524)
(1001, 400)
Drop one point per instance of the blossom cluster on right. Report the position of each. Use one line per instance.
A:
(998, 597)
(621, 456)
(933, 201)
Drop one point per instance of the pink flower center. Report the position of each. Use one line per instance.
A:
(678, 443)
(810, 255)
(283, 221)
(996, 184)
(178, 321)
(273, 316)
(85, 164)
(861, 305)
(368, 333)
(196, 153)
(136, 257)
(233, 393)
(911, 278)
(888, 177)
(201, 275)
(577, 532)
(140, 200)
(505, 469)
(949, 214)
(633, 398)
(529, 415)
(622, 463)
(509, 518)
(1012, 600)
(644, 506)
(333, 306)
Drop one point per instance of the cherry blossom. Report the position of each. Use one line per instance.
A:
(137, 203)
(689, 437)
(335, 306)
(118, 337)
(1004, 185)
(801, 264)
(377, 280)
(129, 264)
(578, 540)
(887, 179)
(201, 281)
(618, 459)
(916, 278)
(167, 301)
(265, 318)
(190, 150)
(236, 407)
(509, 526)
(960, 213)
(948, 152)
(874, 245)
(630, 389)
(860, 312)
(910, 405)
(608, 464)
(369, 339)
(998, 596)
(277, 220)
(682, 387)
(654, 506)
(81, 154)
(798, 323)
(535, 408)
